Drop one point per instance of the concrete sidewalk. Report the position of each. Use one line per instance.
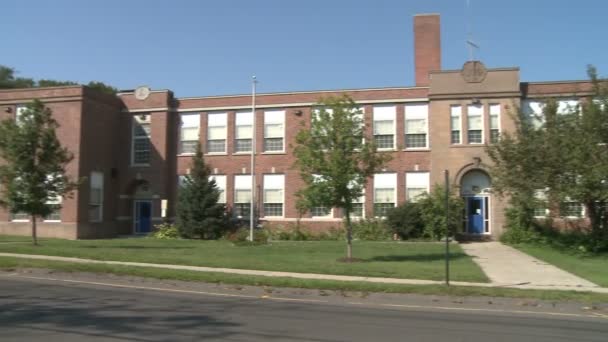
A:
(590, 288)
(506, 265)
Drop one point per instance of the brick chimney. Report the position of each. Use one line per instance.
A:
(427, 46)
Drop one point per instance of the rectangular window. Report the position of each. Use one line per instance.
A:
(385, 194)
(274, 130)
(416, 184)
(320, 212)
(19, 109)
(384, 127)
(140, 137)
(242, 196)
(567, 106)
(416, 125)
(533, 112)
(189, 133)
(274, 186)
(216, 132)
(494, 122)
(96, 197)
(571, 209)
(358, 208)
(243, 132)
(456, 124)
(20, 217)
(475, 124)
(220, 182)
(55, 215)
(540, 206)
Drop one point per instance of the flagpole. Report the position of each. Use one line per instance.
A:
(253, 148)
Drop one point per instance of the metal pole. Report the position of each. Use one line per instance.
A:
(447, 227)
(253, 145)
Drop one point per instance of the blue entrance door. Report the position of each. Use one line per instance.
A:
(475, 212)
(143, 216)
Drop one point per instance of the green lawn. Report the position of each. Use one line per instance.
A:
(419, 260)
(592, 268)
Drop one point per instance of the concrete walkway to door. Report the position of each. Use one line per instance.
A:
(506, 266)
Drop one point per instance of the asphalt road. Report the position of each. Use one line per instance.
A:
(51, 310)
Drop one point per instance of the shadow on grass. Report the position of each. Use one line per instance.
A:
(418, 257)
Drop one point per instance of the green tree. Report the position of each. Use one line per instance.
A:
(199, 215)
(335, 158)
(33, 169)
(102, 87)
(432, 210)
(8, 80)
(54, 83)
(565, 154)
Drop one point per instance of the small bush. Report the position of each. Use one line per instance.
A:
(516, 235)
(406, 221)
(432, 208)
(333, 234)
(291, 232)
(165, 231)
(371, 230)
(240, 237)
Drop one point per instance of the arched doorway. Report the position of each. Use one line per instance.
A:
(475, 189)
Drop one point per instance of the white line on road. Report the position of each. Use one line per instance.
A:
(491, 310)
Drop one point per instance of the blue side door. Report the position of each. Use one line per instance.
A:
(475, 214)
(143, 216)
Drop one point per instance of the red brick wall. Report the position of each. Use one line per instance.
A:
(427, 46)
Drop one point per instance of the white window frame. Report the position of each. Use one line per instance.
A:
(331, 210)
(96, 175)
(417, 111)
(384, 178)
(533, 111)
(415, 177)
(19, 109)
(12, 219)
(386, 113)
(242, 182)
(495, 110)
(267, 180)
(246, 116)
(220, 182)
(56, 200)
(224, 120)
(269, 120)
(456, 112)
(147, 121)
(541, 195)
(569, 217)
(482, 116)
(197, 120)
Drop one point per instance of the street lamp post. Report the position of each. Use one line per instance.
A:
(253, 148)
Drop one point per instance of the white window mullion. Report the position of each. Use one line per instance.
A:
(216, 132)
(273, 196)
(274, 131)
(189, 132)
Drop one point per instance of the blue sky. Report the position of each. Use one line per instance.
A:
(200, 48)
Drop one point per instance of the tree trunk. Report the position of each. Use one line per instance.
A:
(349, 235)
(594, 217)
(34, 233)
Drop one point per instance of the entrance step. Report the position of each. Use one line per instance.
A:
(463, 237)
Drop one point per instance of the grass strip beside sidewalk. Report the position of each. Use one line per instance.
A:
(8, 264)
(591, 267)
(419, 260)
